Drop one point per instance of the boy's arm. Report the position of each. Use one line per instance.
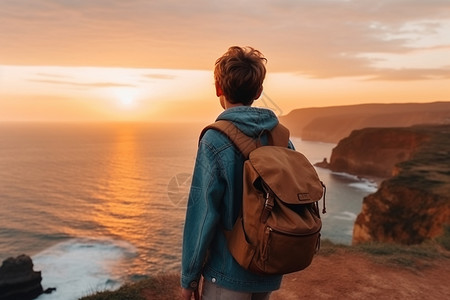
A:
(202, 215)
(187, 294)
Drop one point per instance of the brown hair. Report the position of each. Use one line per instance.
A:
(240, 73)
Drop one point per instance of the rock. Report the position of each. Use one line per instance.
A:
(401, 213)
(414, 204)
(49, 290)
(376, 151)
(18, 280)
(323, 164)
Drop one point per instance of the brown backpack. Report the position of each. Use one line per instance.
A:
(278, 231)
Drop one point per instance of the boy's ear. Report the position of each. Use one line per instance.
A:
(219, 91)
(259, 92)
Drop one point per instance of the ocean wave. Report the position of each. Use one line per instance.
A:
(365, 184)
(345, 215)
(81, 266)
(347, 175)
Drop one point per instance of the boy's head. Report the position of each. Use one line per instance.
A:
(240, 74)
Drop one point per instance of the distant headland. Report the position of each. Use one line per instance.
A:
(331, 124)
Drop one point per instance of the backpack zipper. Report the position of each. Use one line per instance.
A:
(271, 229)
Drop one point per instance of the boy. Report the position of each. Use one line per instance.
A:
(215, 196)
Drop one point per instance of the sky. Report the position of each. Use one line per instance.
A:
(145, 60)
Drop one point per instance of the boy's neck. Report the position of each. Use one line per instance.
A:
(227, 104)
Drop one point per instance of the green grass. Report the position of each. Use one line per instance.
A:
(414, 257)
(127, 292)
(164, 286)
(328, 248)
(444, 240)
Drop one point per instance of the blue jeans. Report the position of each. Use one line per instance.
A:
(211, 291)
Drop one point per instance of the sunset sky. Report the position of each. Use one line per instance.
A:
(145, 60)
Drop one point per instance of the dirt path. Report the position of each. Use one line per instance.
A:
(345, 275)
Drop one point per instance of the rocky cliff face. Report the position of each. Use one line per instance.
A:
(414, 204)
(376, 151)
(401, 213)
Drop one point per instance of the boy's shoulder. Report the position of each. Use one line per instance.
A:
(215, 139)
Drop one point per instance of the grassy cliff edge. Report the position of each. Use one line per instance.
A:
(414, 261)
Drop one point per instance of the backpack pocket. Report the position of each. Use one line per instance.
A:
(241, 250)
(282, 252)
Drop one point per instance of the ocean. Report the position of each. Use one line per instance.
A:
(97, 205)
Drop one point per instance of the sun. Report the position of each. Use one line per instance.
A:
(126, 102)
(126, 98)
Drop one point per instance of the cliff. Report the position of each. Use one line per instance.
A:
(378, 271)
(414, 204)
(376, 151)
(331, 124)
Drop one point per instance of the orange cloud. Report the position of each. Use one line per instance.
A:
(319, 39)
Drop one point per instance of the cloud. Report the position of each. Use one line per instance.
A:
(412, 74)
(78, 84)
(315, 38)
(160, 76)
(52, 75)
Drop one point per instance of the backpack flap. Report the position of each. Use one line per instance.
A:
(288, 173)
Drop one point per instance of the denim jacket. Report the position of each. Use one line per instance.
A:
(214, 204)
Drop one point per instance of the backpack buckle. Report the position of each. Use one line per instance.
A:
(269, 202)
(268, 205)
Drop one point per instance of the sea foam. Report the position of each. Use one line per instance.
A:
(346, 215)
(361, 183)
(365, 185)
(82, 266)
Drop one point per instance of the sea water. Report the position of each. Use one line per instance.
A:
(96, 205)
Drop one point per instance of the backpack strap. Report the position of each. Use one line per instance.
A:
(278, 136)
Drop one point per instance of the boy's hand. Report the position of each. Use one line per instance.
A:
(186, 294)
